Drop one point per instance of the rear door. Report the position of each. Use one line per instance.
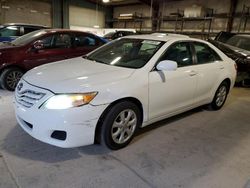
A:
(84, 43)
(56, 47)
(209, 66)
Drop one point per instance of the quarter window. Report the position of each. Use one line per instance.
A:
(205, 54)
(180, 53)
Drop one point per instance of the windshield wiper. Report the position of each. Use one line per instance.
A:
(92, 59)
(9, 43)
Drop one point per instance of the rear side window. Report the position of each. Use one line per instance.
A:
(62, 41)
(85, 41)
(180, 53)
(29, 29)
(205, 54)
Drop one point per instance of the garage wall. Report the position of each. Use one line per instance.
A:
(86, 17)
(221, 6)
(168, 7)
(26, 11)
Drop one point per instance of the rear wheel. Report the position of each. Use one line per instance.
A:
(10, 77)
(120, 124)
(220, 96)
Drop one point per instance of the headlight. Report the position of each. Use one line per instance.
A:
(64, 101)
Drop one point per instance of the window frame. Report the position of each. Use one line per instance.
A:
(172, 44)
(195, 53)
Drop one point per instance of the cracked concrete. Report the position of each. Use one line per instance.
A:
(199, 148)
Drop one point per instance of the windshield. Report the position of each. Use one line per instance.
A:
(25, 39)
(242, 42)
(130, 53)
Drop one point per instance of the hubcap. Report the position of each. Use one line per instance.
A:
(13, 78)
(124, 126)
(221, 95)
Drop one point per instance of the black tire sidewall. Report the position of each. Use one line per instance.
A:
(110, 117)
(3, 76)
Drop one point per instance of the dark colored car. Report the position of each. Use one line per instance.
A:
(117, 34)
(237, 47)
(9, 32)
(40, 47)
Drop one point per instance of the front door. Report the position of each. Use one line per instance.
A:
(172, 91)
(56, 47)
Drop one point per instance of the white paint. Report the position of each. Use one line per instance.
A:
(161, 93)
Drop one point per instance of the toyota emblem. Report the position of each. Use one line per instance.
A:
(20, 86)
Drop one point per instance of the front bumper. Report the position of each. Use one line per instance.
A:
(78, 124)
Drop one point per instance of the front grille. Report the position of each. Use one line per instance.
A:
(28, 98)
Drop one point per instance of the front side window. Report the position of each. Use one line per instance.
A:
(47, 42)
(9, 31)
(205, 54)
(180, 53)
(131, 53)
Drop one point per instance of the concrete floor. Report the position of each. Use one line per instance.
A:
(199, 149)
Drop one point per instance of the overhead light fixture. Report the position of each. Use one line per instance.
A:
(96, 26)
(106, 1)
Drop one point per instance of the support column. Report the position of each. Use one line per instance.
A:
(233, 4)
(60, 13)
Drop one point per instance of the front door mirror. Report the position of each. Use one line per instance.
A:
(167, 65)
(38, 45)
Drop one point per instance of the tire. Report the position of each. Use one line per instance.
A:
(9, 78)
(120, 125)
(220, 96)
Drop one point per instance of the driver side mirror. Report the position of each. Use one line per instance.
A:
(167, 65)
(38, 45)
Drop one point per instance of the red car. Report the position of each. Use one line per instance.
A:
(40, 47)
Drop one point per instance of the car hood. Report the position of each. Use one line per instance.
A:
(75, 75)
(5, 46)
(231, 51)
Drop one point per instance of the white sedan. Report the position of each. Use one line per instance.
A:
(120, 87)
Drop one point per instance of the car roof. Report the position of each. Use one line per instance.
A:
(243, 35)
(164, 37)
(66, 31)
(24, 24)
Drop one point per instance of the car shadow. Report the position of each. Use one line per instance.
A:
(19, 143)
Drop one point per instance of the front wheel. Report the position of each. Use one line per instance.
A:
(220, 96)
(10, 77)
(120, 124)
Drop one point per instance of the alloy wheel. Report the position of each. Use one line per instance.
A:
(124, 126)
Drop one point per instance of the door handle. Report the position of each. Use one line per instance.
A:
(192, 73)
